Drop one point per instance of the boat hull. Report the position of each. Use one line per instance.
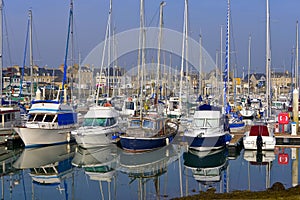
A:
(33, 137)
(249, 143)
(259, 134)
(95, 137)
(200, 143)
(138, 144)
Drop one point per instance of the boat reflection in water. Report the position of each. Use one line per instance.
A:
(206, 166)
(49, 165)
(99, 164)
(147, 166)
(258, 160)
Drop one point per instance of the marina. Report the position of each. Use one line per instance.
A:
(170, 172)
(148, 112)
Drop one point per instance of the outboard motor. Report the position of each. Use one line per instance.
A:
(259, 143)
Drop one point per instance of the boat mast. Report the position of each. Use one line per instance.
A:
(140, 45)
(297, 57)
(1, 48)
(143, 42)
(109, 47)
(268, 59)
(64, 82)
(227, 57)
(221, 61)
(200, 64)
(79, 76)
(24, 58)
(31, 55)
(72, 53)
(183, 53)
(187, 58)
(103, 52)
(162, 4)
(249, 63)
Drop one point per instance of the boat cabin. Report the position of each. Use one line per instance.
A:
(207, 119)
(146, 123)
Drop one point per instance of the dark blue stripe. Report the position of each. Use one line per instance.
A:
(143, 144)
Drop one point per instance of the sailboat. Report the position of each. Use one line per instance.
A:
(150, 129)
(101, 122)
(10, 114)
(50, 121)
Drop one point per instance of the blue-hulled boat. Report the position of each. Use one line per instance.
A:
(206, 166)
(208, 129)
(148, 132)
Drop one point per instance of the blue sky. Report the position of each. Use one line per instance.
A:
(90, 17)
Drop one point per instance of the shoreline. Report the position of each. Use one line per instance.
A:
(277, 191)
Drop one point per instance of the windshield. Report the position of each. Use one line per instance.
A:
(94, 122)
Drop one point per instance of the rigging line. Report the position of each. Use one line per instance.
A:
(24, 58)
(155, 14)
(6, 34)
(36, 41)
(233, 42)
(76, 43)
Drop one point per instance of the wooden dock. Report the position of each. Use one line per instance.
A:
(287, 139)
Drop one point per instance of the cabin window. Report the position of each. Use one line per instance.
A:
(175, 105)
(129, 105)
(6, 118)
(212, 122)
(94, 122)
(39, 118)
(110, 121)
(88, 122)
(147, 124)
(135, 123)
(49, 118)
(100, 122)
(212, 172)
(199, 122)
(31, 117)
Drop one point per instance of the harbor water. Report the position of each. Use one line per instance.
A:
(69, 172)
